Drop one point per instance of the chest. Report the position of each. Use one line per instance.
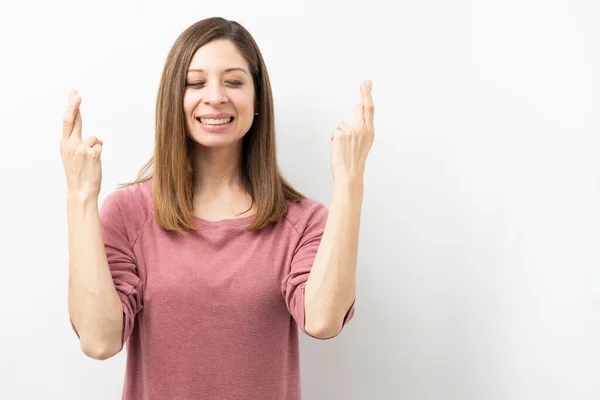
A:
(217, 273)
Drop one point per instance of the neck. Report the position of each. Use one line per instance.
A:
(217, 170)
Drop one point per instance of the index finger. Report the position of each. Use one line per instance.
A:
(71, 115)
(368, 107)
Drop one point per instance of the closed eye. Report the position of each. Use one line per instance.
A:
(200, 84)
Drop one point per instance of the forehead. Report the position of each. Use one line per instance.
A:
(218, 55)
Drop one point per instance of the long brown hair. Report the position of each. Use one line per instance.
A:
(173, 175)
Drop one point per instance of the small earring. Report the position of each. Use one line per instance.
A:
(255, 113)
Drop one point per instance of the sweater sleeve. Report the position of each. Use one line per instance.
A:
(302, 260)
(118, 245)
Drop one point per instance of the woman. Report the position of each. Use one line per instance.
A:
(207, 266)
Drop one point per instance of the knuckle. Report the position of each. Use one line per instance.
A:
(343, 127)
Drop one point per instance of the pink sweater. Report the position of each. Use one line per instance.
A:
(213, 314)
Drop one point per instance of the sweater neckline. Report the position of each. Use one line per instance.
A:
(241, 221)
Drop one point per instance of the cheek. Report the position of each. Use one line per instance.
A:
(243, 101)
(188, 102)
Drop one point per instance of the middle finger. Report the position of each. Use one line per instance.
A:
(70, 115)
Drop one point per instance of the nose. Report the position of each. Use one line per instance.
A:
(214, 94)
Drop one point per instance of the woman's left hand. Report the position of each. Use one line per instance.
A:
(351, 144)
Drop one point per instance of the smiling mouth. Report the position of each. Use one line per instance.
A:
(215, 122)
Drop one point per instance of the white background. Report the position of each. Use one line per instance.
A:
(479, 272)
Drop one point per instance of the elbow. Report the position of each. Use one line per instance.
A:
(321, 325)
(100, 351)
(323, 330)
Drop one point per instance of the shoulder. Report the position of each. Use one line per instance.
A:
(128, 207)
(306, 213)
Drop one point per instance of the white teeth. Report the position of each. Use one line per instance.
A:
(209, 121)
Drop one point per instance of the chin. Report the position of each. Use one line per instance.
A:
(212, 140)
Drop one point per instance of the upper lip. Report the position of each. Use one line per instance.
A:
(215, 116)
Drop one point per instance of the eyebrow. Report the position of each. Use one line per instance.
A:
(227, 70)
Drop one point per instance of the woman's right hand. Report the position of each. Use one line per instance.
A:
(80, 157)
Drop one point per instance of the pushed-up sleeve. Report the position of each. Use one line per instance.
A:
(118, 244)
(295, 281)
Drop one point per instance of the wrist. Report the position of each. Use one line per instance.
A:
(81, 198)
(353, 187)
(347, 182)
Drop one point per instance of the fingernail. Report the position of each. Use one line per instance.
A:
(369, 84)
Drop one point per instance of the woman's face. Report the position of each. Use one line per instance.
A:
(219, 95)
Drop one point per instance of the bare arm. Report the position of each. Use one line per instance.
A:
(331, 285)
(94, 305)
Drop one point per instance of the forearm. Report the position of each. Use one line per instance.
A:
(330, 289)
(94, 304)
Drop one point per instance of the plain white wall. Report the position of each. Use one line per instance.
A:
(479, 272)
